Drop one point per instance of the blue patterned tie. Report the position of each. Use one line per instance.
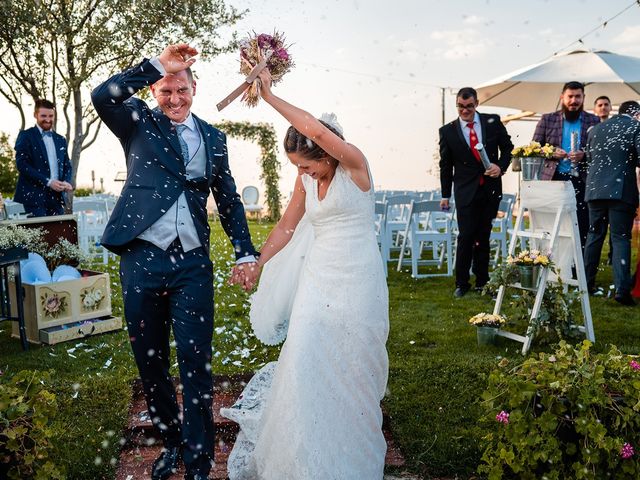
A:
(47, 133)
(183, 145)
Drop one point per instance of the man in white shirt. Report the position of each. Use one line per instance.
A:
(43, 164)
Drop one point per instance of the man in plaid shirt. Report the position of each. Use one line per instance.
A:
(567, 163)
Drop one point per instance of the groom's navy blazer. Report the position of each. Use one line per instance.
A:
(33, 165)
(156, 174)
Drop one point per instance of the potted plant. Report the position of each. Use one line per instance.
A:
(529, 263)
(530, 158)
(567, 414)
(487, 327)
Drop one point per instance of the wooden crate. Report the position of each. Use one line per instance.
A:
(59, 303)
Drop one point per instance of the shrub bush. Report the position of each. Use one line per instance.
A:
(26, 410)
(569, 414)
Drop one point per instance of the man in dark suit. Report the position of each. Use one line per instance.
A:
(43, 165)
(613, 154)
(159, 227)
(477, 191)
(567, 163)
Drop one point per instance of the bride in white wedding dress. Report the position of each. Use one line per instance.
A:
(315, 413)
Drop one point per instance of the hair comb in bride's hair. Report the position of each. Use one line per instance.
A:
(332, 119)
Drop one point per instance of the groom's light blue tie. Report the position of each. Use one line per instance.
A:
(183, 145)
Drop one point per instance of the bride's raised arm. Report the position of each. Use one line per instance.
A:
(348, 155)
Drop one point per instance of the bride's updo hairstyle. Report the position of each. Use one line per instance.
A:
(295, 142)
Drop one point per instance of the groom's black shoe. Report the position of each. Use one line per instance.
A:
(166, 464)
(461, 291)
(196, 476)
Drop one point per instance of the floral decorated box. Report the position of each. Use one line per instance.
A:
(58, 303)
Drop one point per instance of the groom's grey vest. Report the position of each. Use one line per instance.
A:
(177, 221)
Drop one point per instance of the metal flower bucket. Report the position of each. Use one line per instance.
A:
(516, 164)
(532, 168)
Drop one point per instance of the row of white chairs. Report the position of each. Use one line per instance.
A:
(413, 224)
(92, 213)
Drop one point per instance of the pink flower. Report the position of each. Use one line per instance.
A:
(626, 451)
(282, 53)
(503, 417)
(264, 40)
(635, 365)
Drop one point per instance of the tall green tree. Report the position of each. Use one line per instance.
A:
(8, 170)
(57, 49)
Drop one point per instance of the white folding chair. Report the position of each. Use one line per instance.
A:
(396, 219)
(421, 232)
(93, 215)
(380, 220)
(250, 199)
(501, 226)
(14, 209)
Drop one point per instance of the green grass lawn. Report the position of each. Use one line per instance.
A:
(437, 372)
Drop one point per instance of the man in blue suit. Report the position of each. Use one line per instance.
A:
(159, 228)
(43, 165)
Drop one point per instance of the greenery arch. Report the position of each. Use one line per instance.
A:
(265, 136)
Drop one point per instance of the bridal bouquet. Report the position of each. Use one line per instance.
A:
(258, 47)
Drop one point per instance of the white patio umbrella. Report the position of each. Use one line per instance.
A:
(537, 88)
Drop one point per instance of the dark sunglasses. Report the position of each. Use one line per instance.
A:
(470, 106)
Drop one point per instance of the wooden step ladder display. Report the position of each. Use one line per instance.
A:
(554, 228)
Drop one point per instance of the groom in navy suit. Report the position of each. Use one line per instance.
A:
(43, 164)
(159, 228)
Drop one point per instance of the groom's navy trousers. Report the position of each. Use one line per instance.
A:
(166, 290)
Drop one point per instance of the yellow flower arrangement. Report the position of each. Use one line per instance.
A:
(534, 149)
(533, 257)
(487, 320)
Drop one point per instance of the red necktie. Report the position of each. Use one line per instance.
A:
(473, 141)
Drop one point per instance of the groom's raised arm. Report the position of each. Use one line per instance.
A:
(111, 98)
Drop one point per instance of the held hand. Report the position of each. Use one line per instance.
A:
(493, 171)
(264, 77)
(237, 276)
(175, 58)
(559, 154)
(57, 185)
(576, 156)
(67, 187)
(444, 204)
(251, 271)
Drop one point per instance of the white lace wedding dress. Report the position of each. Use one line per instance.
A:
(315, 413)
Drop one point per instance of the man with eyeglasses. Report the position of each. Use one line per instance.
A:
(568, 161)
(477, 191)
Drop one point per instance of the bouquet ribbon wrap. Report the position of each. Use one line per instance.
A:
(253, 75)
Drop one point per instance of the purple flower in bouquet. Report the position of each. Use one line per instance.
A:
(282, 54)
(265, 40)
(635, 365)
(627, 451)
(257, 47)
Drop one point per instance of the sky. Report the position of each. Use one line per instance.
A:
(383, 68)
